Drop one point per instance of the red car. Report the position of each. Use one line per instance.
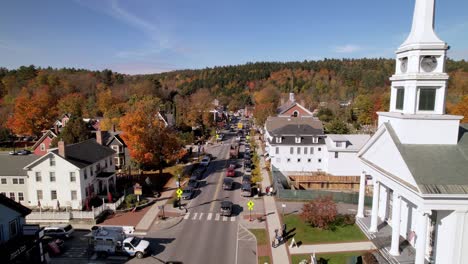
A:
(231, 172)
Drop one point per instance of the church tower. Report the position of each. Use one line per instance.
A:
(419, 85)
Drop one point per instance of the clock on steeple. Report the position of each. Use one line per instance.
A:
(418, 89)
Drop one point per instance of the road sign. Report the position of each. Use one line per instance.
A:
(250, 204)
(137, 189)
(179, 193)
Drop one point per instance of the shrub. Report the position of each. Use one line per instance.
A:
(130, 199)
(320, 213)
(344, 220)
(369, 258)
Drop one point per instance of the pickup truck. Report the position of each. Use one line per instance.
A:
(109, 241)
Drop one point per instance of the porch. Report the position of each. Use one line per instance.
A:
(383, 240)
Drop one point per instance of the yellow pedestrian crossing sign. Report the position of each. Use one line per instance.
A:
(179, 193)
(250, 204)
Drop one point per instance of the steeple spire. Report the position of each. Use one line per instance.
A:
(417, 95)
(422, 33)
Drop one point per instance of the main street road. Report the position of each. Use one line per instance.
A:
(203, 236)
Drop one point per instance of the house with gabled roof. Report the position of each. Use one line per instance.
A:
(293, 109)
(13, 178)
(70, 175)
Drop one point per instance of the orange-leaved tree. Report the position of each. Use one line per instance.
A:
(150, 142)
(33, 113)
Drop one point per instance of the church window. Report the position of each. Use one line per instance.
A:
(399, 98)
(291, 150)
(298, 150)
(426, 99)
(277, 150)
(295, 114)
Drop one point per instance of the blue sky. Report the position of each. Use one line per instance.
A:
(148, 36)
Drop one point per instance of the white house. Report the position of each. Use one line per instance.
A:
(69, 175)
(299, 145)
(417, 161)
(13, 179)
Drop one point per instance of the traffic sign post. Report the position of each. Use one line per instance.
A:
(137, 191)
(179, 195)
(250, 205)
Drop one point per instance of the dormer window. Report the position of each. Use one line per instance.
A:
(298, 139)
(278, 139)
(314, 139)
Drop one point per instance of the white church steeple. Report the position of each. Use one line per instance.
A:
(419, 85)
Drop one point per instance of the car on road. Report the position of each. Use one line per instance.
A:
(13, 152)
(193, 183)
(228, 184)
(226, 208)
(205, 161)
(59, 231)
(188, 193)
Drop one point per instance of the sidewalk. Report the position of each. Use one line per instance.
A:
(338, 247)
(280, 254)
(152, 214)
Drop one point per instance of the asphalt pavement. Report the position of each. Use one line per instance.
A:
(202, 235)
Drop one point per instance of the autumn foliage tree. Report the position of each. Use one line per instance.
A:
(33, 113)
(151, 144)
(320, 213)
(266, 102)
(461, 108)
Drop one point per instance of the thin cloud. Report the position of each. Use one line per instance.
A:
(349, 48)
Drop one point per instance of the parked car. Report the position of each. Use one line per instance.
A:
(60, 231)
(13, 152)
(248, 171)
(226, 208)
(247, 164)
(231, 172)
(187, 193)
(193, 183)
(228, 184)
(24, 152)
(205, 161)
(246, 189)
(247, 179)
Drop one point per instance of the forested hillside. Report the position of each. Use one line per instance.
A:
(31, 97)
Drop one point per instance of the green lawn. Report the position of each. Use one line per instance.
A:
(336, 258)
(261, 236)
(264, 259)
(309, 235)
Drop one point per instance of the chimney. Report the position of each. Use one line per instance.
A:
(113, 128)
(99, 137)
(61, 148)
(291, 97)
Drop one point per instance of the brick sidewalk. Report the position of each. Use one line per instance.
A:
(135, 218)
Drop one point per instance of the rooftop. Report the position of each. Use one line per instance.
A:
(12, 165)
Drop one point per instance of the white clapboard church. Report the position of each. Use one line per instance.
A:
(417, 161)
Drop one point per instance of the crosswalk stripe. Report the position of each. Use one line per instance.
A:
(194, 216)
(217, 217)
(209, 216)
(187, 215)
(225, 218)
(233, 218)
(201, 215)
